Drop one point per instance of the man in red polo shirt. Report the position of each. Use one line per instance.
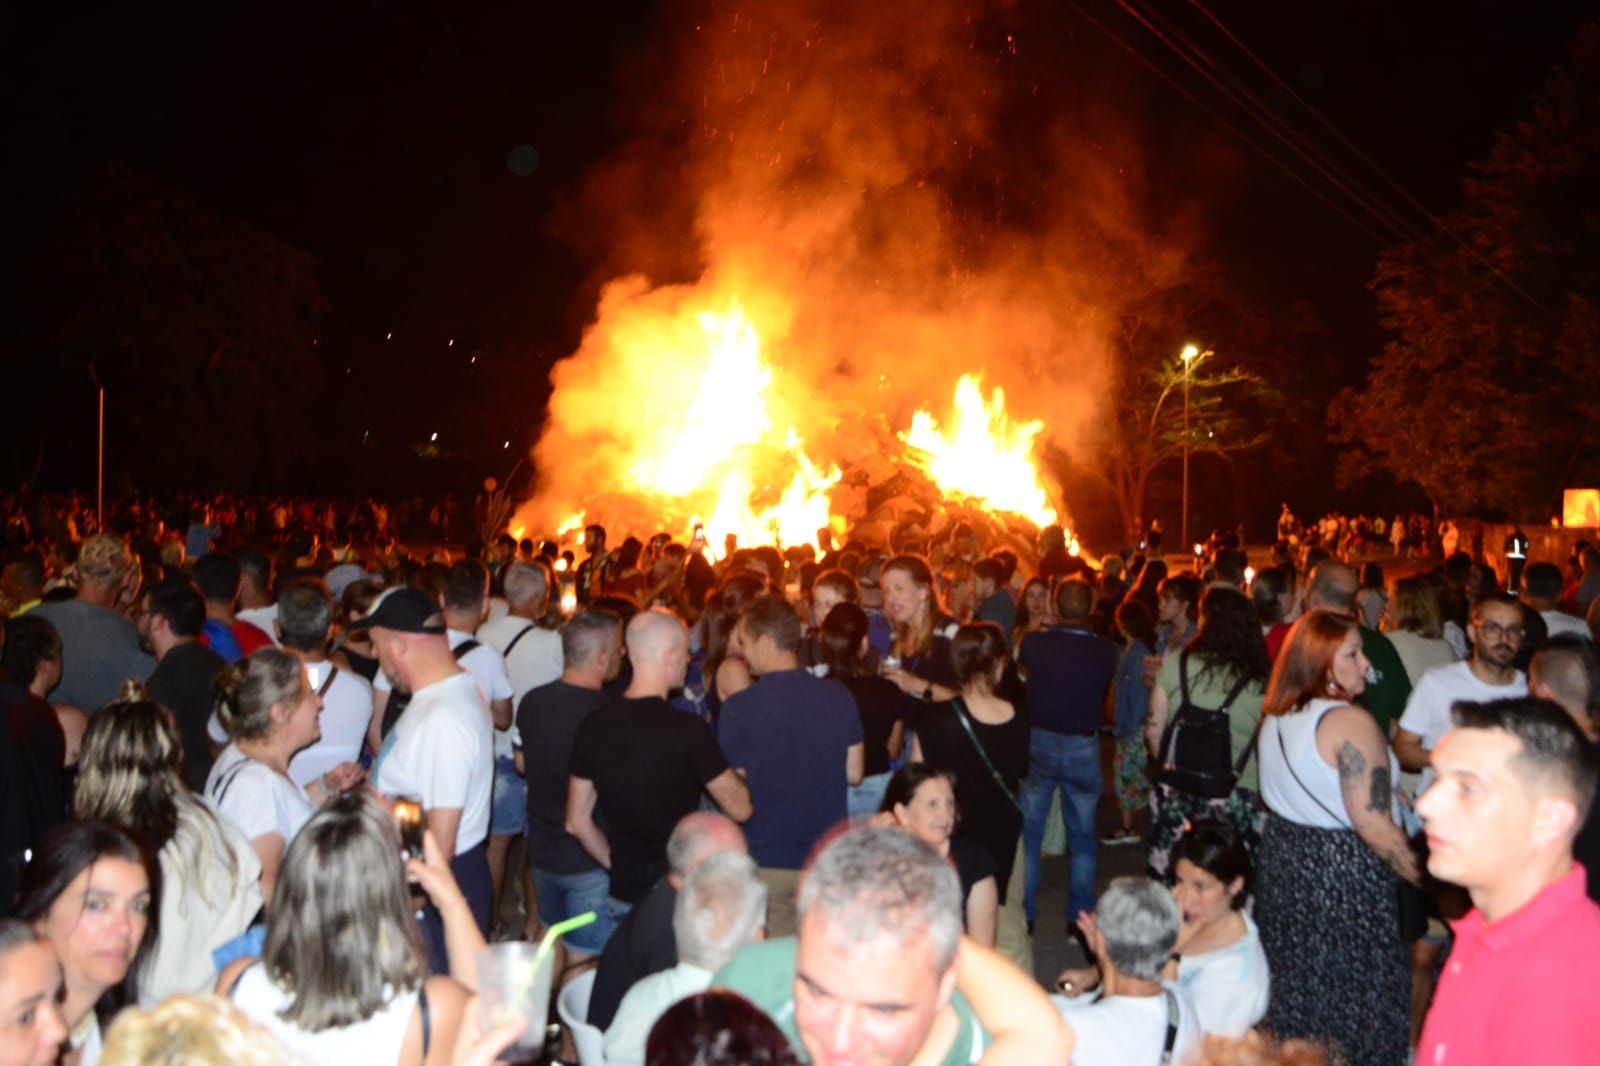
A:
(1515, 780)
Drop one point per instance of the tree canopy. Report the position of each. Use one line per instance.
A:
(1488, 394)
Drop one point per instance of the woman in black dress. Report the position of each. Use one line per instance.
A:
(981, 739)
(922, 800)
(844, 652)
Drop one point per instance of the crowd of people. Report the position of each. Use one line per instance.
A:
(275, 792)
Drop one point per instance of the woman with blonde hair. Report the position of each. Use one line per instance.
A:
(343, 976)
(1332, 854)
(269, 707)
(1414, 622)
(131, 773)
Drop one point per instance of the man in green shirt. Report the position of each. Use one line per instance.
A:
(1333, 587)
(872, 975)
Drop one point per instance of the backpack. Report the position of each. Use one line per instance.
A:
(400, 699)
(1197, 747)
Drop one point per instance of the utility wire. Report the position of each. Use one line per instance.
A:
(1247, 102)
(1382, 241)
(1437, 221)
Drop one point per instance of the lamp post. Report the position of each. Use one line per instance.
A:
(1189, 354)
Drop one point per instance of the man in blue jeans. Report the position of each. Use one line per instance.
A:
(1069, 669)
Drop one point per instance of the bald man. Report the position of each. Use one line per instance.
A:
(1332, 586)
(643, 765)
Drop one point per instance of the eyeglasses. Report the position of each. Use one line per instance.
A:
(1495, 629)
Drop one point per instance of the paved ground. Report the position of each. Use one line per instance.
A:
(1053, 949)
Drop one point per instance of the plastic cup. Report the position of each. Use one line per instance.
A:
(514, 983)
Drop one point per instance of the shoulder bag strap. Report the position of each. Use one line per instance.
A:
(529, 628)
(333, 672)
(427, 1017)
(1172, 1025)
(959, 707)
(1288, 763)
(225, 782)
(465, 648)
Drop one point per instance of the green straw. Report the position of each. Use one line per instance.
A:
(577, 921)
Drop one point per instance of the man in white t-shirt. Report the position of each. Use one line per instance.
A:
(1496, 632)
(1541, 590)
(532, 658)
(441, 751)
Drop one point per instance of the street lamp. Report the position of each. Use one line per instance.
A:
(1190, 355)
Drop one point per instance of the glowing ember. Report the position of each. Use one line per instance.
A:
(986, 456)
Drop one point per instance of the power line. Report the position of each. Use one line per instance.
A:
(1437, 221)
(1290, 172)
(1276, 126)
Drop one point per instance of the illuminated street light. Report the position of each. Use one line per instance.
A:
(1190, 355)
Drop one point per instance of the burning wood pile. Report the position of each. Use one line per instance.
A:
(679, 419)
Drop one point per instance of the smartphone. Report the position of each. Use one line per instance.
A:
(699, 539)
(408, 816)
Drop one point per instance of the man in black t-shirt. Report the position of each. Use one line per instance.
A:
(169, 623)
(1567, 672)
(567, 879)
(643, 765)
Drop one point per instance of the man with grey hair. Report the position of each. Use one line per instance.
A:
(880, 971)
(644, 943)
(531, 656)
(1137, 1019)
(1332, 586)
(722, 906)
(99, 647)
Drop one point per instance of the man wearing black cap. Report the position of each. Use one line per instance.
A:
(442, 748)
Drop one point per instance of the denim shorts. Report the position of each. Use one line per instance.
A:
(508, 813)
(563, 895)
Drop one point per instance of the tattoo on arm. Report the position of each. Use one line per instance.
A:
(1378, 801)
(1352, 764)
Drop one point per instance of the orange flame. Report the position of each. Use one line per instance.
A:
(986, 457)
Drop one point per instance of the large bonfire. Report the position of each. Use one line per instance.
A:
(697, 426)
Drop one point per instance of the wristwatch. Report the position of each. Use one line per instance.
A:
(927, 693)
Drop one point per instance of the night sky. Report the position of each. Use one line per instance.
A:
(420, 153)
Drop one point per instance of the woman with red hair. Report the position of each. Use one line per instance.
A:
(1332, 853)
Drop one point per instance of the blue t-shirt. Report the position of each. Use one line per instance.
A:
(789, 733)
(1069, 670)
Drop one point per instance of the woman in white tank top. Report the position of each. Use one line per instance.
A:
(1328, 891)
(343, 975)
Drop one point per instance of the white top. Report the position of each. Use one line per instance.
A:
(1456, 637)
(1315, 798)
(1560, 622)
(1229, 986)
(442, 752)
(1128, 1030)
(646, 1002)
(1428, 710)
(535, 660)
(255, 798)
(263, 618)
(1419, 654)
(202, 906)
(346, 711)
(377, 1039)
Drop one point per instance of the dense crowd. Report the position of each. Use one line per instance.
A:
(271, 785)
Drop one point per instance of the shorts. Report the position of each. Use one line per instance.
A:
(561, 896)
(508, 813)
